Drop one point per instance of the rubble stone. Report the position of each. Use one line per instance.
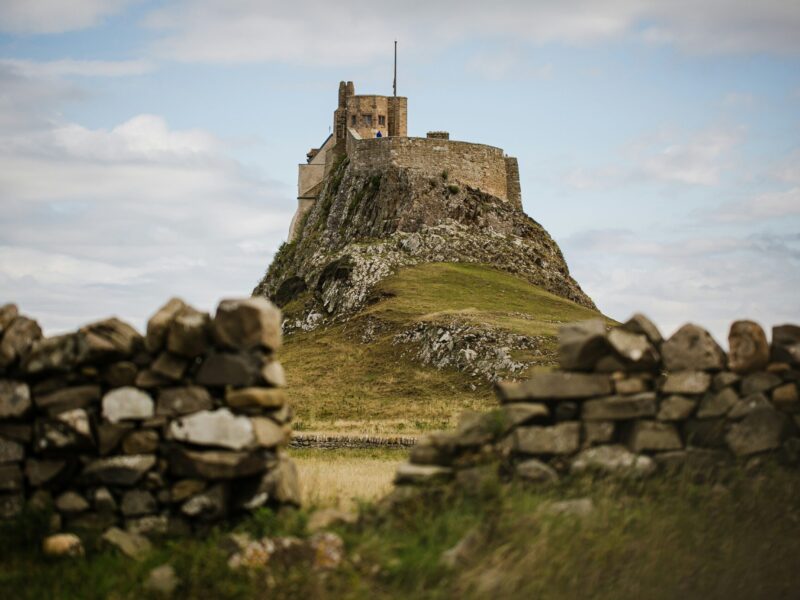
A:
(749, 349)
(563, 438)
(130, 544)
(119, 470)
(763, 429)
(228, 369)
(581, 345)
(653, 436)
(557, 385)
(640, 324)
(219, 428)
(188, 333)
(676, 408)
(183, 400)
(637, 352)
(62, 544)
(17, 338)
(786, 344)
(759, 382)
(248, 324)
(786, 398)
(159, 324)
(535, 471)
(686, 382)
(614, 460)
(614, 408)
(717, 405)
(15, 399)
(692, 348)
(127, 403)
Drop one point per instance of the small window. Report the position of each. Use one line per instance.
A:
(353, 121)
(381, 120)
(368, 120)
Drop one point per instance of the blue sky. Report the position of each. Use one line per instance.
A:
(149, 149)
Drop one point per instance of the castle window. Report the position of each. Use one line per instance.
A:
(353, 121)
(368, 120)
(381, 120)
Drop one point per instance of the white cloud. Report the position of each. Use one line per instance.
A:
(55, 16)
(507, 63)
(78, 68)
(769, 205)
(317, 32)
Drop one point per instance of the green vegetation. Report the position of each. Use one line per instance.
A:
(453, 188)
(734, 538)
(339, 382)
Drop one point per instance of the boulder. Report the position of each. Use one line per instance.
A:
(563, 438)
(62, 545)
(136, 503)
(759, 382)
(408, 473)
(119, 470)
(11, 451)
(581, 345)
(615, 408)
(15, 399)
(281, 483)
(268, 434)
(556, 385)
(636, 350)
(111, 339)
(128, 543)
(247, 324)
(255, 397)
(717, 404)
(68, 398)
(613, 460)
(786, 398)
(219, 428)
(273, 374)
(222, 369)
(215, 464)
(159, 324)
(162, 581)
(786, 344)
(535, 471)
(640, 324)
(148, 525)
(676, 408)
(210, 505)
(17, 339)
(520, 413)
(763, 429)
(170, 365)
(686, 382)
(653, 436)
(749, 349)
(149, 379)
(692, 348)
(103, 501)
(188, 333)
(127, 403)
(597, 432)
(183, 400)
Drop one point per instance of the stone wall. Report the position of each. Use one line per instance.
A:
(169, 431)
(627, 401)
(475, 165)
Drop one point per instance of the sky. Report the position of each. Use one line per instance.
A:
(149, 149)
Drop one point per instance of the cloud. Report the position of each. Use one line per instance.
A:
(710, 280)
(317, 32)
(505, 64)
(56, 16)
(78, 68)
(114, 221)
(769, 205)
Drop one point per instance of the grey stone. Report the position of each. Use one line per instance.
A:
(476, 429)
(692, 348)
(759, 382)
(10, 478)
(749, 349)
(80, 396)
(104, 501)
(17, 338)
(634, 348)
(613, 460)
(111, 338)
(210, 505)
(556, 385)
(615, 408)
(148, 525)
(8, 312)
(786, 344)
(717, 404)
(215, 464)
(611, 363)
(183, 400)
(249, 323)
(170, 365)
(640, 324)
(109, 436)
(120, 374)
(785, 397)
(159, 323)
(142, 441)
(520, 413)
(228, 369)
(58, 353)
(563, 438)
(535, 471)
(581, 345)
(219, 428)
(630, 385)
(11, 451)
(686, 382)
(408, 473)
(130, 544)
(273, 374)
(71, 502)
(696, 459)
(42, 472)
(748, 404)
(188, 333)
(653, 436)
(281, 483)
(127, 403)
(705, 433)
(119, 470)
(255, 397)
(763, 429)
(268, 434)
(162, 581)
(15, 399)
(597, 432)
(724, 379)
(136, 503)
(676, 408)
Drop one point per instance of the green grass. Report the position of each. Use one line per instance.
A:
(667, 537)
(339, 383)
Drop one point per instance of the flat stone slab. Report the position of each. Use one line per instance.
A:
(563, 438)
(686, 382)
(615, 408)
(676, 408)
(127, 403)
(419, 474)
(535, 471)
(215, 464)
(183, 400)
(255, 397)
(214, 428)
(119, 470)
(654, 436)
(557, 385)
(519, 413)
(613, 460)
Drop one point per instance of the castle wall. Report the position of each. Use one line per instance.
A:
(512, 181)
(475, 165)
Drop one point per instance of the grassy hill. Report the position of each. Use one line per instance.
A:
(355, 377)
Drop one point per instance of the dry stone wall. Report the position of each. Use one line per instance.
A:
(169, 431)
(626, 401)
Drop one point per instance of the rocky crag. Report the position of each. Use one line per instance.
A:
(367, 224)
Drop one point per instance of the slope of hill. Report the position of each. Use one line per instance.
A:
(426, 346)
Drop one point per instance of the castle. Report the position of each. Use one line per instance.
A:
(372, 132)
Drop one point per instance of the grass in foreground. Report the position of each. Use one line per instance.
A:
(339, 382)
(663, 538)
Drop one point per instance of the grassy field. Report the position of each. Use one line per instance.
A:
(734, 538)
(339, 382)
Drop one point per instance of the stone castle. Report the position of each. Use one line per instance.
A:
(372, 132)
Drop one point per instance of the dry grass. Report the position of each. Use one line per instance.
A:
(344, 478)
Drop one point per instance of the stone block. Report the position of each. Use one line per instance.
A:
(630, 385)
(744, 406)
(557, 385)
(640, 324)
(18, 337)
(749, 349)
(535, 471)
(269, 434)
(15, 399)
(786, 344)
(564, 438)
(653, 436)
(408, 473)
(613, 460)
(111, 338)
(686, 382)
(142, 441)
(209, 505)
(79, 396)
(136, 503)
(635, 349)
(159, 324)
(705, 433)
(215, 464)
(520, 413)
(785, 398)
(676, 408)
(223, 369)
(763, 381)
(118, 470)
(188, 333)
(254, 397)
(692, 348)
(127, 403)
(183, 400)
(615, 408)
(762, 430)
(247, 324)
(120, 374)
(581, 345)
(170, 366)
(717, 404)
(597, 432)
(219, 428)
